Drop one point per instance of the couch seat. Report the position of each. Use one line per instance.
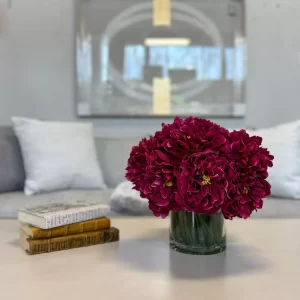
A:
(10, 203)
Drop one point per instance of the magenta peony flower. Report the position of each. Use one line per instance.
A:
(248, 173)
(203, 182)
(185, 137)
(152, 173)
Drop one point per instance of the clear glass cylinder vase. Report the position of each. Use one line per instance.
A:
(197, 234)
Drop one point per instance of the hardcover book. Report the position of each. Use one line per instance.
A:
(59, 214)
(78, 240)
(91, 225)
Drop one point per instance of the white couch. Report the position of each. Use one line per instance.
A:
(113, 154)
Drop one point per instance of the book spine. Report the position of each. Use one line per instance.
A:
(73, 241)
(91, 225)
(64, 218)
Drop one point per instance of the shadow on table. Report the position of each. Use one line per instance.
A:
(153, 254)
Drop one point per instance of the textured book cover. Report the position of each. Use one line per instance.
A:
(91, 225)
(59, 214)
(86, 239)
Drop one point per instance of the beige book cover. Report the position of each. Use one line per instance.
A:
(91, 225)
(78, 240)
(60, 214)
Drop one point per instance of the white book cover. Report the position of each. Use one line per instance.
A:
(59, 214)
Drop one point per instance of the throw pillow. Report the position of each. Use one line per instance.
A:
(126, 200)
(283, 141)
(12, 174)
(58, 155)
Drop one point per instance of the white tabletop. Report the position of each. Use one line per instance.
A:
(262, 261)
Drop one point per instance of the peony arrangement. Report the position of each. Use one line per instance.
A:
(198, 166)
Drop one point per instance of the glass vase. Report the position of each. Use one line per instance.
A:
(197, 234)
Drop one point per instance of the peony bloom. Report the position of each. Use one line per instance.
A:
(152, 173)
(248, 172)
(191, 135)
(203, 182)
(248, 197)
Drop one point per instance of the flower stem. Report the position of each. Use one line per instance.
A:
(196, 231)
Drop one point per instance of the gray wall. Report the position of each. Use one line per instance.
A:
(273, 85)
(36, 65)
(36, 61)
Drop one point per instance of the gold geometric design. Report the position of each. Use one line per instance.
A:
(161, 96)
(150, 42)
(161, 12)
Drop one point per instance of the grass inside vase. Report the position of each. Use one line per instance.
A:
(197, 234)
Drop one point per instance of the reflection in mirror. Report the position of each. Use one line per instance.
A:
(154, 58)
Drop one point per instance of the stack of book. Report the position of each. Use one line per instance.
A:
(65, 226)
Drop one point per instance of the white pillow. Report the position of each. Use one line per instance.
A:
(283, 141)
(126, 200)
(58, 155)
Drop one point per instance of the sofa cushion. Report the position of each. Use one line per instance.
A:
(58, 155)
(12, 174)
(10, 203)
(126, 200)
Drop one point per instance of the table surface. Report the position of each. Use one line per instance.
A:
(262, 261)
